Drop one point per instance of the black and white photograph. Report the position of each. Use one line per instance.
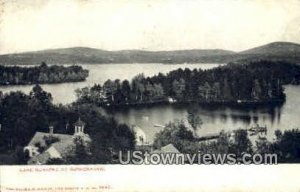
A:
(96, 82)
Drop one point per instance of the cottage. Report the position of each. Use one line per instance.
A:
(175, 156)
(45, 146)
(170, 148)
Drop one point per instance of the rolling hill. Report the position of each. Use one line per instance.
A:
(276, 48)
(273, 51)
(74, 55)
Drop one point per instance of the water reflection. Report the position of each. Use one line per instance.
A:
(215, 118)
(64, 92)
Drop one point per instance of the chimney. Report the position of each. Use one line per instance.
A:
(51, 128)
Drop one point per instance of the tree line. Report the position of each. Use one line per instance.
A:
(22, 115)
(286, 145)
(17, 75)
(255, 81)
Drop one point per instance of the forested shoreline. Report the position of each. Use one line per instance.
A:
(251, 83)
(286, 144)
(42, 74)
(22, 115)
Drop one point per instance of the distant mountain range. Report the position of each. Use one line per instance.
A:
(75, 55)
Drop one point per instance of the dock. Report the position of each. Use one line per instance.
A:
(161, 126)
(258, 129)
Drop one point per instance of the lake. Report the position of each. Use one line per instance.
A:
(218, 118)
(215, 118)
(99, 73)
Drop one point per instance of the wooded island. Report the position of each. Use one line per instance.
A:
(42, 74)
(254, 82)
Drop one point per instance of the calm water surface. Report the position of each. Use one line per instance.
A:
(218, 118)
(64, 92)
(214, 119)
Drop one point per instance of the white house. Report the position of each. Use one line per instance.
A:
(62, 144)
(140, 136)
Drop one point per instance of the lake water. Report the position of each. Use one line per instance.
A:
(214, 119)
(64, 92)
(218, 118)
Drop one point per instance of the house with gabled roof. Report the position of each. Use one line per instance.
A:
(170, 148)
(45, 146)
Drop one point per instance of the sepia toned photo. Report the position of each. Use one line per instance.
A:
(86, 82)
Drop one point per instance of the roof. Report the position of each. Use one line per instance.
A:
(58, 149)
(53, 152)
(39, 159)
(170, 148)
(79, 122)
(39, 138)
(61, 148)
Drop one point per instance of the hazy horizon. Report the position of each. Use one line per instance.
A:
(146, 25)
(140, 49)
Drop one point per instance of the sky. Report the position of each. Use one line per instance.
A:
(149, 25)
